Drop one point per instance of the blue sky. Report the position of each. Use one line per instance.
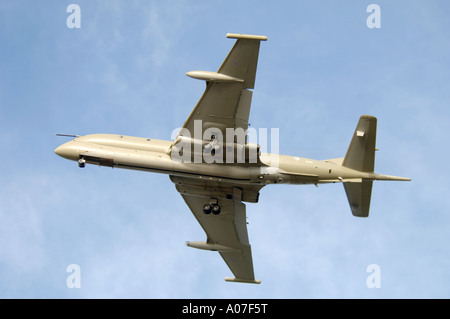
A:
(123, 72)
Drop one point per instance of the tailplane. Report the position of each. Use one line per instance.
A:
(358, 195)
(361, 157)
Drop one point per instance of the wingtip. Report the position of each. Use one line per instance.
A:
(246, 36)
(246, 281)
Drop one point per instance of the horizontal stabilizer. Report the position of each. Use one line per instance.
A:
(361, 152)
(359, 195)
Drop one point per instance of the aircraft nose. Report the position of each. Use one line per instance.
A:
(60, 150)
(66, 151)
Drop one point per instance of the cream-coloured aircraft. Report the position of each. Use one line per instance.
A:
(215, 169)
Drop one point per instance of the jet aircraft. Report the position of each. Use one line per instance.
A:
(216, 171)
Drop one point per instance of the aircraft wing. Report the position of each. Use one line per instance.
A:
(226, 232)
(226, 100)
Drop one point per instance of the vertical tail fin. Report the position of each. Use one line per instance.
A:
(361, 157)
(361, 152)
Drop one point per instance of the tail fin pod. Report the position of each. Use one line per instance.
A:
(361, 152)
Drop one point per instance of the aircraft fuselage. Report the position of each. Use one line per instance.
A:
(154, 155)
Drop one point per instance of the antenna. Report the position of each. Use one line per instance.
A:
(68, 135)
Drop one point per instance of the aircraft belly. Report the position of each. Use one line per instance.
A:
(125, 158)
(143, 160)
(216, 172)
(158, 162)
(302, 172)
